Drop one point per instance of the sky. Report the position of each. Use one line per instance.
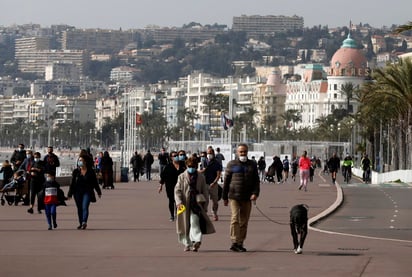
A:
(129, 14)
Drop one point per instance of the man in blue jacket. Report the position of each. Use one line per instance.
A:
(241, 187)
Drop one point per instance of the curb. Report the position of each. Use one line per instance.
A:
(329, 210)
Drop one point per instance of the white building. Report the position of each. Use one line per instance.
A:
(122, 73)
(307, 95)
(316, 96)
(62, 71)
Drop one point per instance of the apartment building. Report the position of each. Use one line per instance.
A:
(107, 108)
(187, 34)
(123, 74)
(33, 55)
(257, 25)
(97, 40)
(269, 101)
(62, 72)
(307, 96)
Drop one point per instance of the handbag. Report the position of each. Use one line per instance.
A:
(200, 198)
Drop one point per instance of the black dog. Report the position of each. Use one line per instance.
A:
(299, 225)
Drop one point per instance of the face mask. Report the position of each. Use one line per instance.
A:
(21, 149)
(79, 163)
(28, 156)
(36, 159)
(203, 159)
(191, 170)
(49, 179)
(176, 159)
(182, 157)
(210, 156)
(243, 159)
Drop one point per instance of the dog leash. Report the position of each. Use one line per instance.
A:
(268, 218)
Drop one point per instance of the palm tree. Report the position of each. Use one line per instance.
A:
(388, 100)
(291, 117)
(348, 90)
(215, 104)
(403, 28)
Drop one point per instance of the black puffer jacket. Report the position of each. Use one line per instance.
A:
(241, 180)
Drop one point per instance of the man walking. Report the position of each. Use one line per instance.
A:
(147, 162)
(137, 163)
(334, 165)
(241, 187)
(163, 158)
(51, 161)
(212, 172)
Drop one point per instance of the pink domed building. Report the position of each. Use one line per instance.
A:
(348, 65)
(319, 92)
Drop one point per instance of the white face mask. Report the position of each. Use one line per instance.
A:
(210, 156)
(243, 158)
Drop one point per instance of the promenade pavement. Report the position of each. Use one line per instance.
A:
(129, 234)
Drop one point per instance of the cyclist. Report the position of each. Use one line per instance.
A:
(334, 164)
(366, 167)
(347, 167)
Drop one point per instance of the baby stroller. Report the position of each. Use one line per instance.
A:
(13, 192)
(270, 174)
(269, 178)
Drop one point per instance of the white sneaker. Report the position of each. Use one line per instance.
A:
(298, 251)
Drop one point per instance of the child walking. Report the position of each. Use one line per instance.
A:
(51, 200)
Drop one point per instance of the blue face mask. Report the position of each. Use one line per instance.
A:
(182, 157)
(176, 159)
(191, 170)
(79, 163)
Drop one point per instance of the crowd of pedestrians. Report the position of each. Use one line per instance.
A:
(194, 185)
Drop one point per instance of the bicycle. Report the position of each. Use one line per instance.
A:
(347, 174)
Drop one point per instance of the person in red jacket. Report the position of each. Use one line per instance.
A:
(51, 200)
(304, 167)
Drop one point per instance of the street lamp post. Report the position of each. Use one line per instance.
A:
(339, 132)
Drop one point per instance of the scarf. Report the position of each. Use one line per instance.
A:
(194, 207)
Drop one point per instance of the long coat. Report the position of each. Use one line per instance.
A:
(182, 197)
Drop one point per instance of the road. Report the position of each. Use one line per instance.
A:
(381, 211)
(129, 234)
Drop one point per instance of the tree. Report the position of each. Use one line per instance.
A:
(404, 28)
(388, 100)
(348, 89)
(215, 105)
(291, 117)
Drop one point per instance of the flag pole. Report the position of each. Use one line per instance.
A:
(230, 114)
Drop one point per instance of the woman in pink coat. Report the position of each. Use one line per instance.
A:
(304, 167)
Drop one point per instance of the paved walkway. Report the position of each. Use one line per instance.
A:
(129, 234)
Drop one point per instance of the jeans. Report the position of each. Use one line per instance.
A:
(148, 173)
(213, 194)
(136, 173)
(82, 204)
(50, 210)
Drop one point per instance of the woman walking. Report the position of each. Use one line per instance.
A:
(191, 192)
(82, 187)
(107, 171)
(168, 177)
(304, 167)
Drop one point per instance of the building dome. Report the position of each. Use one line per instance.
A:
(348, 60)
